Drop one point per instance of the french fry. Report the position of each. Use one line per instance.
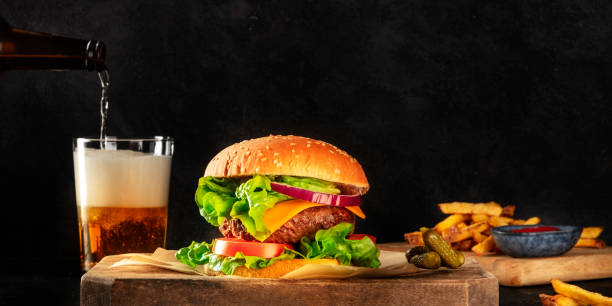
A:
(532, 221)
(499, 221)
(590, 243)
(508, 211)
(479, 227)
(477, 218)
(414, 238)
(450, 221)
(518, 222)
(557, 300)
(461, 225)
(462, 235)
(455, 234)
(484, 247)
(449, 233)
(478, 237)
(491, 208)
(580, 295)
(464, 245)
(591, 232)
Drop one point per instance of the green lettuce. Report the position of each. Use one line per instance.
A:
(255, 198)
(330, 243)
(215, 198)
(310, 184)
(201, 253)
(222, 198)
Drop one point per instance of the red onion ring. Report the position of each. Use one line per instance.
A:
(317, 197)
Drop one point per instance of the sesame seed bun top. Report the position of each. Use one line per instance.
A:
(289, 155)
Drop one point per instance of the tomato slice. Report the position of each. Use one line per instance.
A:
(360, 236)
(230, 246)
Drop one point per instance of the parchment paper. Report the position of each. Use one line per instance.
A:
(392, 264)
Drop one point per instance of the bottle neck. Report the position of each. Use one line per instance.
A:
(20, 49)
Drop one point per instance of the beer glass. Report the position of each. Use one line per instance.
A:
(121, 195)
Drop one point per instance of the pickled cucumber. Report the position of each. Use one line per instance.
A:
(436, 243)
(429, 260)
(460, 257)
(416, 251)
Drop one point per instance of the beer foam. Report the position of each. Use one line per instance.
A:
(121, 178)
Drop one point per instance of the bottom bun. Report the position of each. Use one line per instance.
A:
(276, 270)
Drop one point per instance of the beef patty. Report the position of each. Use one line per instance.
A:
(306, 223)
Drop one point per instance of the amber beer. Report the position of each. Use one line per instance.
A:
(115, 230)
(122, 201)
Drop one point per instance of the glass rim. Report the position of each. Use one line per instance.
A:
(131, 139)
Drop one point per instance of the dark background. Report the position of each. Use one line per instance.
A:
(438, 100)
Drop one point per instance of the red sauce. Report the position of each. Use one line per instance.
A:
(536, 229)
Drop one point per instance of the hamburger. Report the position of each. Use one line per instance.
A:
(281, 202)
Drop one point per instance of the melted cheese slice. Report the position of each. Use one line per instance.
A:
(282, 212)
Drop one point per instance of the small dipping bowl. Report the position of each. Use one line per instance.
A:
(535, 244)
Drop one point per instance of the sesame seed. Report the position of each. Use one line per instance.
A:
(292, 143)
(322, 144)
(275, 161)
(332, 152)
(267, 147)
(263, 159)
(308, 145)
(276, 154)
(247, 153)
(337, 171)
(308, 141)
(292, 151)
(259, 154)
(257, 170)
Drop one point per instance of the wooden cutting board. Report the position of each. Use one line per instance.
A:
(147, 285)
(577, 264)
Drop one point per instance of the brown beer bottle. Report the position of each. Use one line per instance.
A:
(26, 50)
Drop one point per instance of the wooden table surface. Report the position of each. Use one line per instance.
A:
(147, 285)
(575, 265)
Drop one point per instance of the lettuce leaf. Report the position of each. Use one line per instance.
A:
(258, 193)
(195, 254)
(201, 254)
(215, 198)
(309, 183)
(219, 198)
(332, 243)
